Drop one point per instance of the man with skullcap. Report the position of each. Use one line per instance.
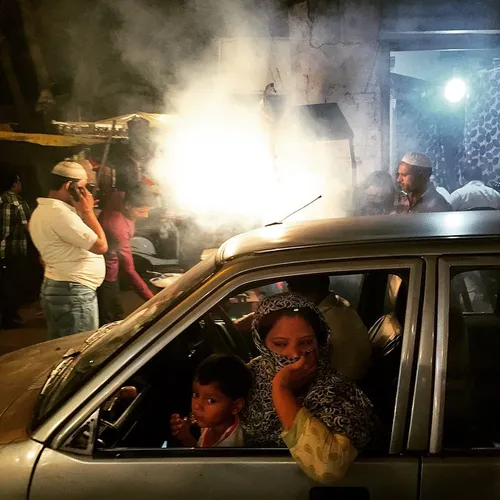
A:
(71, 243)
(418, 193)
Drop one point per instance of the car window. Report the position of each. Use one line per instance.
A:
(348, 286)
(477, 290)
(472, 403)
(226, 328)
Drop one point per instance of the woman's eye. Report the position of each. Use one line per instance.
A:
(211, 401)
(307, 342)
(196, 395)
(280, 344)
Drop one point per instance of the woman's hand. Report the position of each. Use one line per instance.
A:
(294, 376)
(181, 430)
(288, 381)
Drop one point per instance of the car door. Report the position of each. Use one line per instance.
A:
(89, 472)
(464, 445)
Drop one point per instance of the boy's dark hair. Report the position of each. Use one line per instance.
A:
(230, 372)
(139, 196)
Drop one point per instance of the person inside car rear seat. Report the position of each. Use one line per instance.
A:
(349, 341)
(221, 384)
(297, 398)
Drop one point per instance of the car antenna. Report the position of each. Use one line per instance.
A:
(293, 213)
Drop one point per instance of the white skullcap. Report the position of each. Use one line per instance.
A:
(417, 160)
(71, 170)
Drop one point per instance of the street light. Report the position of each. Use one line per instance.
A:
(455, 90)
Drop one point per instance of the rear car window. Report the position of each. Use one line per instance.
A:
(472, 405)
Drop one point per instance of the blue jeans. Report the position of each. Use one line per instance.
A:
(68, 308)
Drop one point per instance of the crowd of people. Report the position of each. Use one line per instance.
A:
(83, 255)
(414, 191)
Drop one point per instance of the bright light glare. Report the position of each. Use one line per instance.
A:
(455, 90)
(217, 159)
(221, 163)
(453, 220)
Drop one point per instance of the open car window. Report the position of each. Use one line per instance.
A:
(164, 384)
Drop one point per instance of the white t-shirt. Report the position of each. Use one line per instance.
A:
(63, 240)
(444, 193)
(475, 194)
(232, 437)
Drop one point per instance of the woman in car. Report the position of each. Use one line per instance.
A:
(297, 398)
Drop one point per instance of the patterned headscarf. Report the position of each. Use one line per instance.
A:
(330, 397)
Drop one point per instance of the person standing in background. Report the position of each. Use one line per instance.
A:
(475, 195)
(349, 341)
(376, 195)
(118, 221)
(14, 217)
(418, 192)
(441, 190)
(71, 243)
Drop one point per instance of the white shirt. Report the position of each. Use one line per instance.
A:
(475, 195)
(231, 437)
(444, 193)
(64, 240)
(350, 345)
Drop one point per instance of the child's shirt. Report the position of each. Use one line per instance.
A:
(233, 436)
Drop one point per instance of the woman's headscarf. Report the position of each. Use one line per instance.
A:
(330, 397)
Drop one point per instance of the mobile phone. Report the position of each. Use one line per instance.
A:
(74, 191)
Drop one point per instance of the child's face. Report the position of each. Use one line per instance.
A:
(212, 407)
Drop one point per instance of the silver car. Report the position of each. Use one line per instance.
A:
(426, 287)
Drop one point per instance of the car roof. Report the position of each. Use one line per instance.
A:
(370, 229)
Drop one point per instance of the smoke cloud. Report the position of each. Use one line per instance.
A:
(218, 158)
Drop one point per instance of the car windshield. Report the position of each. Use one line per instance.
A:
(78, 365)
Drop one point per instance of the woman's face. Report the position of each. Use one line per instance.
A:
(291, 336)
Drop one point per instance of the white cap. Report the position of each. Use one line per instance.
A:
(417, 160)
(71, 170)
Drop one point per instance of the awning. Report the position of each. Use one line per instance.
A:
(103, 127)
(51, 139)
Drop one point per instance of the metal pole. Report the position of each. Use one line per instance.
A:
(104, 157)
(353, 171)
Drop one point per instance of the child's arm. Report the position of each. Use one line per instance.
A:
(181, 430)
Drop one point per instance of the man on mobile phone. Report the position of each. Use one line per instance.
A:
(71, 243)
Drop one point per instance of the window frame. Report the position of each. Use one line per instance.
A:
(215, 291)
(445, 267)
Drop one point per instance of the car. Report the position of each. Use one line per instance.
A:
(425, 285)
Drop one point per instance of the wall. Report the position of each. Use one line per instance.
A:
(421, 15)
(334, 53)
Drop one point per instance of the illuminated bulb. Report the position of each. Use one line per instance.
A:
(455, 90)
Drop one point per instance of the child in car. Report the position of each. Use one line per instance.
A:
(220, 387)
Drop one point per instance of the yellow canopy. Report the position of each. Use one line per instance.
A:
(51, 139)
(105, 125)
